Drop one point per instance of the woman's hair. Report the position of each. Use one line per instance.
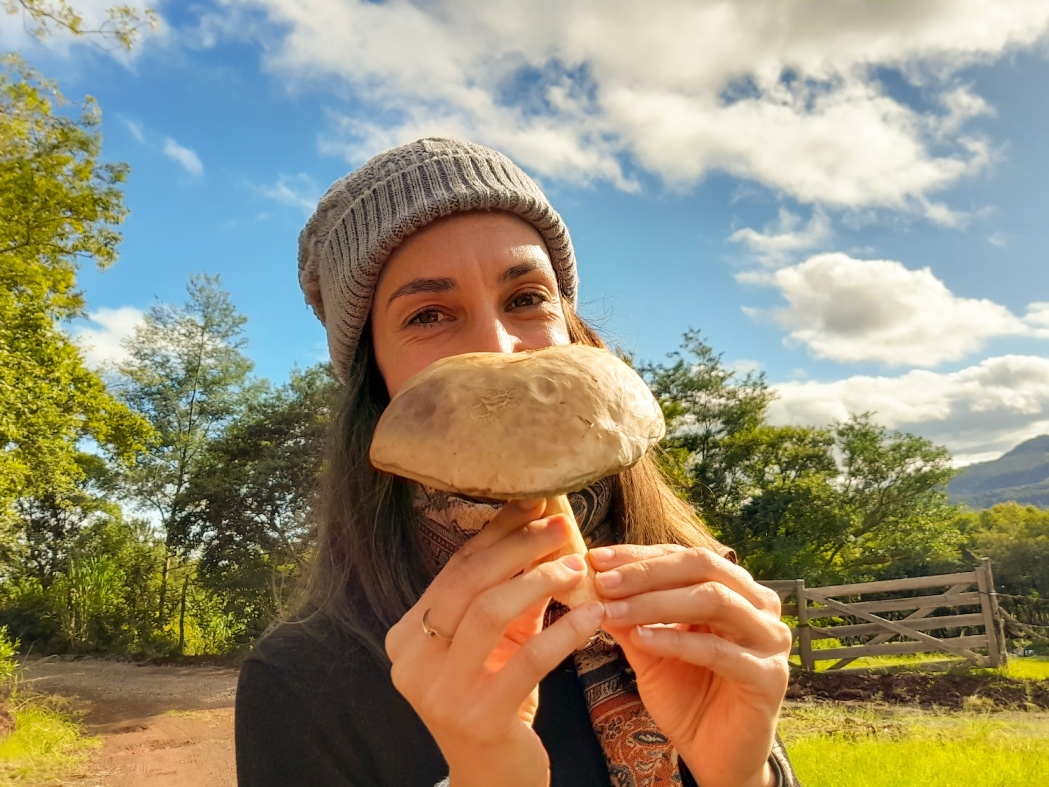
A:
(369, 568)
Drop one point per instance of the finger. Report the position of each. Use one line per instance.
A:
(680, 568)
(709, 603)
(762, 673)
(512, 515)
(489, 615)
(607, 558)
(468, 574)
(543, 652)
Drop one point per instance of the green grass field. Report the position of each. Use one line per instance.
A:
(882, 746)
(1026, 668)
(47, 745)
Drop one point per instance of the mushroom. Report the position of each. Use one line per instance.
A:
(521, 426)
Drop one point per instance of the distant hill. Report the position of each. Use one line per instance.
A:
(1022, 475)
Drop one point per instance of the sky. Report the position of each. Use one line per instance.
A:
(851, 197)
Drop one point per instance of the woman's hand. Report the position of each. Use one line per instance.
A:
(476, 683)
(713, 675)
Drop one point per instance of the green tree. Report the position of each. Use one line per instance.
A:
(247, 511)
(42, 18)
(707, 406)
(186, 373)
(53, 522)
(849, 501)
(1016, 538)
(61, 205)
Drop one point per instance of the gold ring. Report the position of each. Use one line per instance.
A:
(430, 631)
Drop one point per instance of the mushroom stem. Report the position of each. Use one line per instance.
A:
(584, 591)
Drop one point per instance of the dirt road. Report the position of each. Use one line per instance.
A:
(160, 725)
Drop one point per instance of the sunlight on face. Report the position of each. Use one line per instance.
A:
(471, 282)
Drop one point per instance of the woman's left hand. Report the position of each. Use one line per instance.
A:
(713, 675)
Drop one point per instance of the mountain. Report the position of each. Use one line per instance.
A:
(1022, 475)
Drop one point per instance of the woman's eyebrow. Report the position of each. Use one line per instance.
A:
(422, 285)
(518, 271)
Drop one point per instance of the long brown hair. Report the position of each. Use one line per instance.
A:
(368, 568)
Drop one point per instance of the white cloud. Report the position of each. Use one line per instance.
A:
(785, 94)
(999, 239)
(103, 338)
(298, 191)
(778, 242)
(136, 129)
(1037, 318)
(184, 157)
(851, 310)
(977, 412)
(745, 366)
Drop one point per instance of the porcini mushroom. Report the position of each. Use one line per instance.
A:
(520, 426)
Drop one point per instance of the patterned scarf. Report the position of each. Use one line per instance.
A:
(637, 753)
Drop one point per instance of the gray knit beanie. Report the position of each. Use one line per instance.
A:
(369, 213)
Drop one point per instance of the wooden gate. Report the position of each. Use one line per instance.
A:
(973, 591)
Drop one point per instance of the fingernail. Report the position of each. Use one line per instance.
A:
(616, 609)
(644, 632)
(574, 562)
(609, 579)
(594, 610)
(602, 553)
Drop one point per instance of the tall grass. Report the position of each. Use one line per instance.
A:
(877, 746)
(47, 745)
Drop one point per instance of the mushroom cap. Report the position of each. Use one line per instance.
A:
(518, 425)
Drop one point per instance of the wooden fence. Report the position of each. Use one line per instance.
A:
(971, 591)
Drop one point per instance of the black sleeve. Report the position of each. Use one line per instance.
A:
(281, 741)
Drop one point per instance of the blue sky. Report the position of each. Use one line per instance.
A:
(850, 197)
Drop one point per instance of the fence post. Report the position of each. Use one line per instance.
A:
(988, 606)
(804, 632)
(999, 619)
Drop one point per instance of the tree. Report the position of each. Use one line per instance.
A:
(43, 17)
(848, 501)
(187, 375)
(61, 205)
(53, 522)
(1016, 538)
(248, 510)
(706, 406)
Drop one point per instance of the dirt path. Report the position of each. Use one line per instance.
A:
(160, 725)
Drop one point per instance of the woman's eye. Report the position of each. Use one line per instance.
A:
(526, 299)
(426, 317)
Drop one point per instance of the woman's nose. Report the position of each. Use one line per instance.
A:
(492, 336)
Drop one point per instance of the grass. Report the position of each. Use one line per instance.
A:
(882, 746)
(47, 746)
(1028, 668)
(1020, 668)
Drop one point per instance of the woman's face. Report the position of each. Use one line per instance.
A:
(471, 282)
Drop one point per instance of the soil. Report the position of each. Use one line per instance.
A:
(168, 725)
(951, 692)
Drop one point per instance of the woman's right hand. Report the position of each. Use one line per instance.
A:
(476, 684)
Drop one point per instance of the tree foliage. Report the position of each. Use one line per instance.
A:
(847, 501)
(43, 18)
(187, 374)
(1016, 538)
(247, 511)
(61, 205)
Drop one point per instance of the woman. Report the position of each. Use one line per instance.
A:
(425, 648)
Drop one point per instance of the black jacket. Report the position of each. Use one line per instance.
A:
(320, 710)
